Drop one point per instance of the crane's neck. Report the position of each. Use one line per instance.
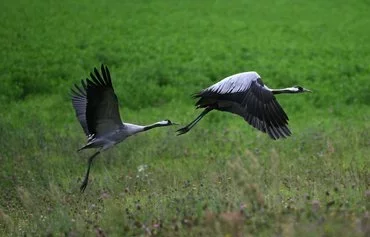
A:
(285, 90)
(132, 129)
(155, 125)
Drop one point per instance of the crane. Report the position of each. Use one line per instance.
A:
(96, 107)
(246, 95)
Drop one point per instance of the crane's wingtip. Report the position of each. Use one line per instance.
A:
(103, 67)
(96, 71)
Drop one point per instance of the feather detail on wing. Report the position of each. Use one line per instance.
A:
(79, 102)
(96, 104)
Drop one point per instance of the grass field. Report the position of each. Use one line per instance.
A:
(221, 179)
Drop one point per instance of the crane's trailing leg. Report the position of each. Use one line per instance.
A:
(86, 179)
(194, 122)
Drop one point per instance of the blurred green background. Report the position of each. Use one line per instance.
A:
(223, 178)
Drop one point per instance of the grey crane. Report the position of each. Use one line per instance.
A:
(96, 107)
(246, 95)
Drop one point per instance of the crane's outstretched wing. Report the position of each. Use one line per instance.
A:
(96, 104)
(79, 102)
(244, 94)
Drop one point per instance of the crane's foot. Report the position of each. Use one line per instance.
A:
(83, 185)
(182, 131)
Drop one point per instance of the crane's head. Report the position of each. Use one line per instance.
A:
(166, 122)
(299, 89)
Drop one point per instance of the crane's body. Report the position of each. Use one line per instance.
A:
(246, 95)
(96, 107)
(108, 140)
(114, 137)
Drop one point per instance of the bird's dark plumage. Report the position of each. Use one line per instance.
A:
(79, 102)
(96, 104)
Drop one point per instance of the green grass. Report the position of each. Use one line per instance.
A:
(221, 179)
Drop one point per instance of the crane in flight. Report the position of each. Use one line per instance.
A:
(96, 107)
(246, 95)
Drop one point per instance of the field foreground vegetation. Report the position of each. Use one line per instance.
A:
(221, 179)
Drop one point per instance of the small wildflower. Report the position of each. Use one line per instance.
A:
(104, 195)
(315, 205)
(367, 194)
(142, 168)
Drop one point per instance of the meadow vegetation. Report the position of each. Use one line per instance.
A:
(221, 179)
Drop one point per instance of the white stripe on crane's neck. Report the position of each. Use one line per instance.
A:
(162, 123)
(157, 124)
(284, 90)
(134, 128)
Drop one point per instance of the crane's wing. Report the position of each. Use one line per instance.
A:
(79, 102)
(244, 94)
(96, 104)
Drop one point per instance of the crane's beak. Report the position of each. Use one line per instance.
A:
(306, 90)
(175, 124)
